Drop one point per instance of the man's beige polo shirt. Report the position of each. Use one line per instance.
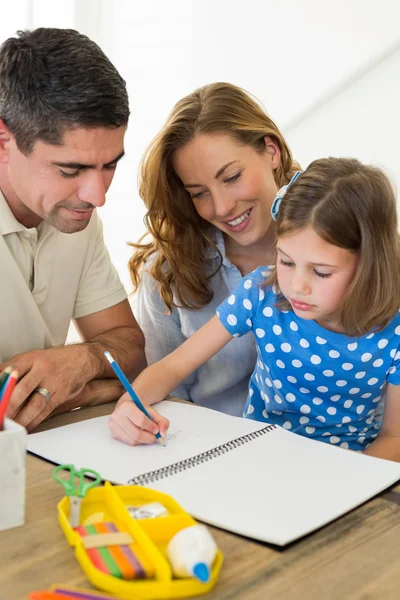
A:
(48, 278)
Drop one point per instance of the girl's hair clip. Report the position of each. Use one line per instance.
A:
(278, 198)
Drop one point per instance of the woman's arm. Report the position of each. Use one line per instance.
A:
(162, 330)
(387, 444)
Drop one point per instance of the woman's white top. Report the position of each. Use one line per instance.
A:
(222, 383)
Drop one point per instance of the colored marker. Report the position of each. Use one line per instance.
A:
(60, 593)
(48, 595)
(6, 395)
(3, 378)
(118, 371)
(81, 594)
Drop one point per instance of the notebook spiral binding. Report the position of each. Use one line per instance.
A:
(189, 463)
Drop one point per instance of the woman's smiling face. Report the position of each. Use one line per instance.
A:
(232, 186)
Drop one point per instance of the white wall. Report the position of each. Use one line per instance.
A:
(291, 55)
(14, 18)
(361, 120)
(327, 72)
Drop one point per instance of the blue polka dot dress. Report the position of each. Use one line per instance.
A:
(307, 379)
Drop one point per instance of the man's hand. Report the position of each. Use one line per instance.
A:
(97, 391)
(64, 372)
(67, 371)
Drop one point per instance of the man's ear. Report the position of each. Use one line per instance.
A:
(273, 151)
(5, 138)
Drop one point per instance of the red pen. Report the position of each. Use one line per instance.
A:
(5, 399)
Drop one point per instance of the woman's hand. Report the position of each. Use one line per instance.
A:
(128, 424)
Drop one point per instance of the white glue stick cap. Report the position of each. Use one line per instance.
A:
(191, 553)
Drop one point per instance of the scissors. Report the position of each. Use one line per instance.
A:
(76, 492)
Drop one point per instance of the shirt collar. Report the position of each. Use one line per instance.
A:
(219, 241)
(8, 223)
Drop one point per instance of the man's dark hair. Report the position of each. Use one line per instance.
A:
(52, 80)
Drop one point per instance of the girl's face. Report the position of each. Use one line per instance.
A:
(232, 185)
(314, 276)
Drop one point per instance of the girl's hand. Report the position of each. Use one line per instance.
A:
(128, 424)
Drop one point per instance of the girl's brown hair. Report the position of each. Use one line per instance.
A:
(352, 206)
(180, 237)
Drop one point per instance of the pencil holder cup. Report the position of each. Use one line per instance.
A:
(12, 475)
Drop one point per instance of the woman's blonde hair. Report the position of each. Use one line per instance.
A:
(352, 206)
(180, 237)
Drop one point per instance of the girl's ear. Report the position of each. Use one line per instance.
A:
(273, 151)
(5, 137)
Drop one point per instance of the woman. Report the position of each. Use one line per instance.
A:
(208, 181)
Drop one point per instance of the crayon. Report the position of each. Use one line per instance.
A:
(5, 398)
(4, 376)
(118, 371)
(82, 595)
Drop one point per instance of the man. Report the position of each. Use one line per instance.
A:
(63, 114)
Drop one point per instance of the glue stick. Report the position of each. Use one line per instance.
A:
(191, 553)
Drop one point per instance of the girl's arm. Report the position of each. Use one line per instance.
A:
(158, 380)
(127, 422)
(387, 444)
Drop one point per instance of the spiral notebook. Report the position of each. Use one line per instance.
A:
(256, 480)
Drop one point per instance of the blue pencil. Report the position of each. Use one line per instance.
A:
(118, 371)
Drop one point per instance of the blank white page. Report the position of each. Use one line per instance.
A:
(274, 488)
(89, 444)
(279, 486)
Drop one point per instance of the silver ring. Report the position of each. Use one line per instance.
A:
(45, 393)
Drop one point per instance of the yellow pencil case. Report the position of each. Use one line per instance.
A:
(146, 538)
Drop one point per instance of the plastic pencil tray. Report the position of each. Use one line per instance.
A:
(109, 503)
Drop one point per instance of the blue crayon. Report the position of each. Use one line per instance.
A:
(118, 371)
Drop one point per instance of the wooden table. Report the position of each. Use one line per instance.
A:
(355, 558)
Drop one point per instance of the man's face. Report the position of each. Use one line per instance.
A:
(61, 184)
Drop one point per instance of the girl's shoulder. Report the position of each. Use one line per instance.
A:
(258, 279)
(253, 291)
(392, 328)
(259, 275)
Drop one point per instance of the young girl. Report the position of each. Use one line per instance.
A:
(325, 319)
